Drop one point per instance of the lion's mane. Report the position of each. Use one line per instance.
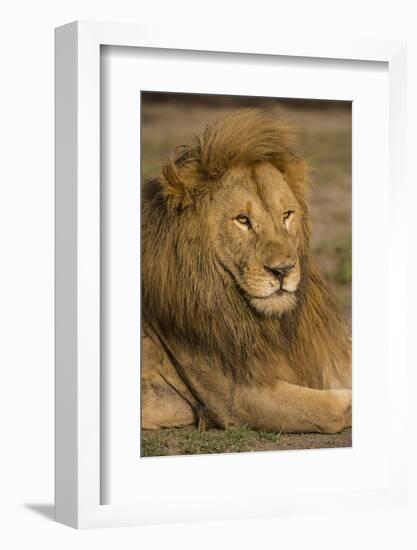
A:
(189, 298)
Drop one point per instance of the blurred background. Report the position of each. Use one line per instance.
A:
(325, 132)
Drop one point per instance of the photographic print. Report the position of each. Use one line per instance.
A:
(246, 269)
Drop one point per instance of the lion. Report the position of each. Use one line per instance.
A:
(238, 326)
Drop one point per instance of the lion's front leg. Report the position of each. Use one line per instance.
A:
(282, 407)
(290, 408)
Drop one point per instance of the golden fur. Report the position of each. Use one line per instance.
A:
(230, 344)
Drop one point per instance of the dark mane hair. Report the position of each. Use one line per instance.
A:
(188, 298)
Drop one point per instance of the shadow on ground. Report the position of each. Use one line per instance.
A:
(45, 510)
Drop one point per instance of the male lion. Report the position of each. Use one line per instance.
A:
(239, 327)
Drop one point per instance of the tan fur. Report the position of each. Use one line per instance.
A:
(238, 344)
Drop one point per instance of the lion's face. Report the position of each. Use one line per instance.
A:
(255, 221)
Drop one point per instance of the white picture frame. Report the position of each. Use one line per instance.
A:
(78, 405)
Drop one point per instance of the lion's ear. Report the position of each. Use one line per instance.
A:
(177, 185)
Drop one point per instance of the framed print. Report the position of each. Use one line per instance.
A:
(222, 210)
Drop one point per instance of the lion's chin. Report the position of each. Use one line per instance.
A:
(275, 305)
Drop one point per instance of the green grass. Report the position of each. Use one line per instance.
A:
(156, 445)
(343, 273)
(340, 250)
(232, 440)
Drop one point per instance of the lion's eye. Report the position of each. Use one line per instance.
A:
(244, 220)
(288, 214)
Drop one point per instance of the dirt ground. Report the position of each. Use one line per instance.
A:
(324, 129)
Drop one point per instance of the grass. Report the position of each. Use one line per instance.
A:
(155, 445)
(340, 252)
(189, 441)
(182, 441)
(343, 273)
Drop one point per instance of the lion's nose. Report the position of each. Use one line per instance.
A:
(281, 270)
